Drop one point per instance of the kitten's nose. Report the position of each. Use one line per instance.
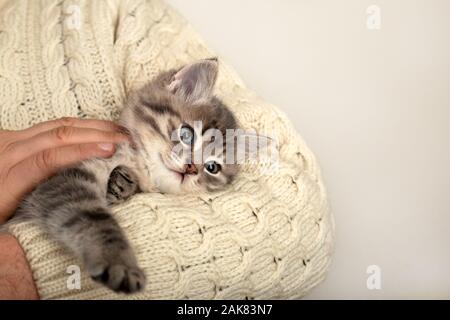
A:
(190, 169)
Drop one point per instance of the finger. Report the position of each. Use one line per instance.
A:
(68, 122)
(31, 171)
(62, 136)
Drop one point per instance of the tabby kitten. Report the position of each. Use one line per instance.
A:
(162, 121)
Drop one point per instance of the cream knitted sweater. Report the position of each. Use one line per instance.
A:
(267, 236)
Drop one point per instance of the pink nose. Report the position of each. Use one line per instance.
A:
(190, 169)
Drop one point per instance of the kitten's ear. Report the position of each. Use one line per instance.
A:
(194, 82)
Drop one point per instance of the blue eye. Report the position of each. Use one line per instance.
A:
(212, 167)
(187, 134)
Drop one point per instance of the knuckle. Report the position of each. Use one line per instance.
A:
(67, 121)
(8, 147)
(45, 160)
(7, 142)
(63, 133)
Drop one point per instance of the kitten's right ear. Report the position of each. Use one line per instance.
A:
(194, 83)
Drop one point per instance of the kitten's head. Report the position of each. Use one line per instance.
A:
(180, 128)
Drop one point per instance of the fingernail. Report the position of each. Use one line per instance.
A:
(106, 146)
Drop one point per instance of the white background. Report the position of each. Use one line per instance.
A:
(375, 108)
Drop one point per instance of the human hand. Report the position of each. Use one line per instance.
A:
(29, 156)
(16, 278)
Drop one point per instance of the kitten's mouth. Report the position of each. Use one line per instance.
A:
(179, 173)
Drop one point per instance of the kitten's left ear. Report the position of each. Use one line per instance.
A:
(194, 82)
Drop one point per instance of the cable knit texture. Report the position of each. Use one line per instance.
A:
(267, 236)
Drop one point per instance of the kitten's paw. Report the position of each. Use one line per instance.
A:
(122, 278)
(122, 184)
